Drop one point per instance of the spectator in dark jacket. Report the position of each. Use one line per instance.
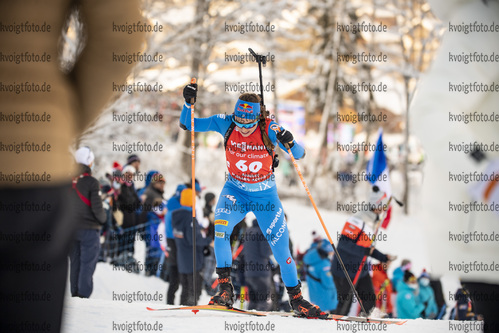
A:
(355, 242)
(141, 192)
(128, 203)
(210, 262)
(90, 216)
(182, 231)
(257, 268)
(171, 248)
(153, 192)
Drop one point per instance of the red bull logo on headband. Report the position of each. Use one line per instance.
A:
(247, 110)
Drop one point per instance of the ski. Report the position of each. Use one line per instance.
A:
(195, 309)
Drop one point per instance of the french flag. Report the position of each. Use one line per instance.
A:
(377, 173)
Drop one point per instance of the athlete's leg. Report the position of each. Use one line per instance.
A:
(270, 215)
(227, 214)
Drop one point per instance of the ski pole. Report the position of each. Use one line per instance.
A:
(193, 187)
(324, 226)
(259, 59)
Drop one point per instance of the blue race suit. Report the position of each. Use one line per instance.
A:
(250, 187)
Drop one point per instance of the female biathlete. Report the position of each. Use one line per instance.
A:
(250, 138)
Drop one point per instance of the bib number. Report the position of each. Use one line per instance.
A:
(253, 166)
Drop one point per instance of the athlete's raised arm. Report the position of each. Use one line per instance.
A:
(218, 123)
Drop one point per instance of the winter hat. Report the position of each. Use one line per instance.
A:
(326, 246)
(424, 274)
(132, 158)
(247, 110)
(129, 168)
(208, 197)
(378, 199)
(198, 186)
(84, 156)
(316, 238)
(117, 166)
(406, 264)
(409, 277)
(149, 176)
(186, 197)
(157, 178)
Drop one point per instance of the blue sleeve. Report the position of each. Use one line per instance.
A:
(297, 150)
(432, 304)
(168, 225)
(219, 123)
(408, 303)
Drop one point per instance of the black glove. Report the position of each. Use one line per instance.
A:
(190, 91)
(284, 137)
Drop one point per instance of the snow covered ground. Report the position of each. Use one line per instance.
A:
(109, 311)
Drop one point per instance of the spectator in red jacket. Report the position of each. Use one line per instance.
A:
(383, 288)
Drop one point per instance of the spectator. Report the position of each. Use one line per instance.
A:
(152, 214)
(383, 288)
(427, 296)
(398, 273)
(355, 242)
(320, 280)
(257, 270)
(171, 248)
(141, 191)
(134, 161)
(209, 260)
(90, 216)
(464, 309)
(182, 230)
(128, 204)
(408, 304)
(153, 246)
(75, 99)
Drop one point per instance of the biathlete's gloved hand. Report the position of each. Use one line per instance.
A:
(190, 91)
(284, 137)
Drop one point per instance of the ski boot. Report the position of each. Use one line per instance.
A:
(225, 294)
(302, 307)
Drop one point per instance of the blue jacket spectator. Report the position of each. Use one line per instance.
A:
(427, 296)
(408, 304)
(398, 273)
(320, 281)
(182, 230)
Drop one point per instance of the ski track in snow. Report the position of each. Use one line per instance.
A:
(404, 237)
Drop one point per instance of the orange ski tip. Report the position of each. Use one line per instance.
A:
(193, 80)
